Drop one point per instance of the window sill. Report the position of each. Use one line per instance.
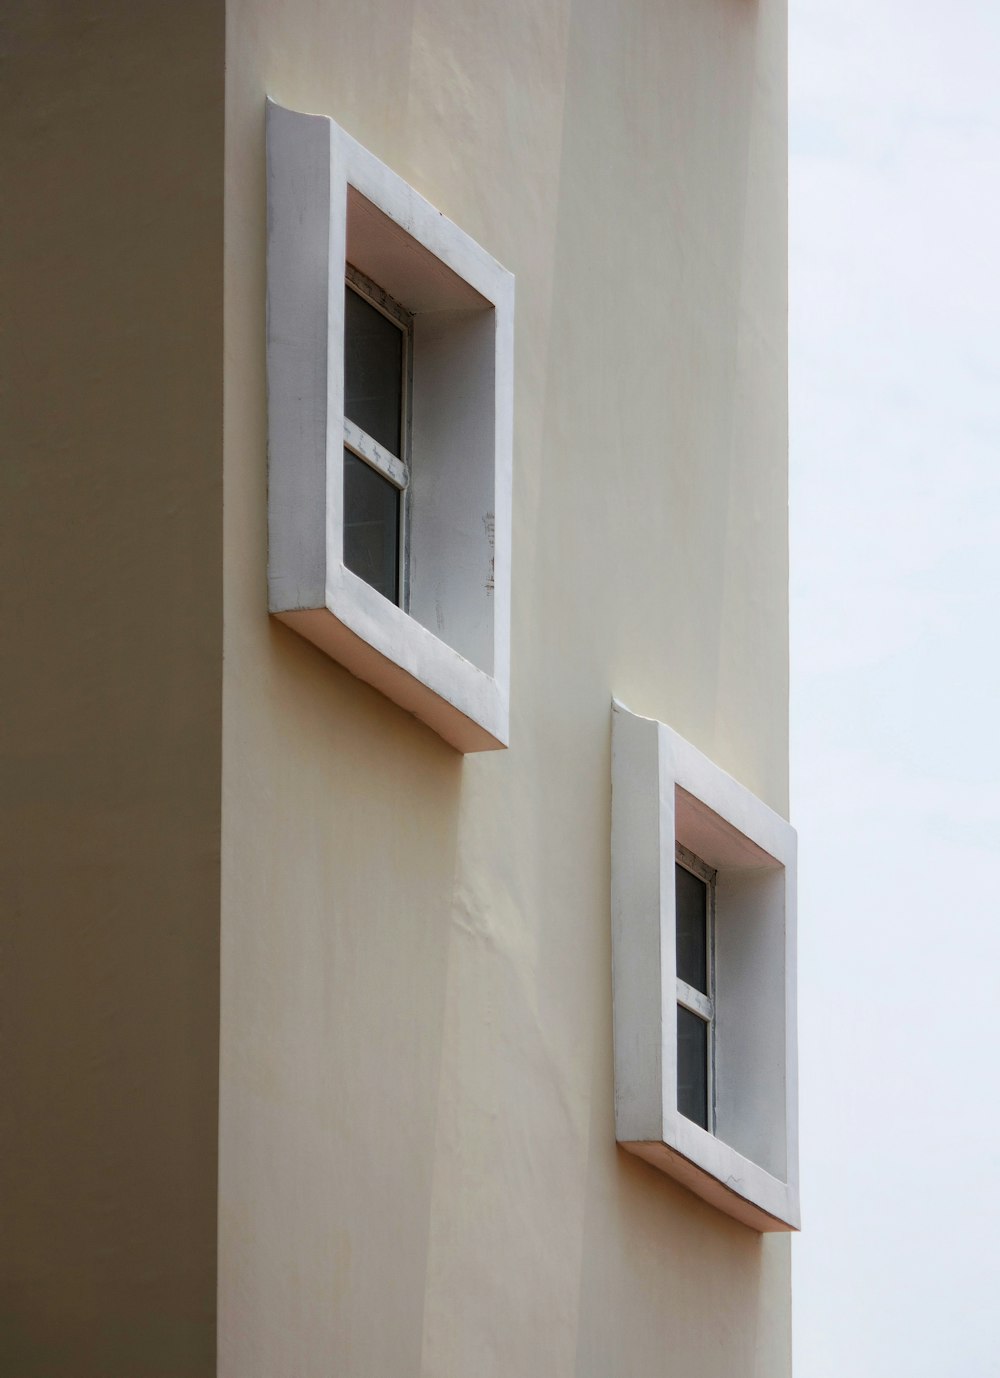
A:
(720, 1175)
(385, 647)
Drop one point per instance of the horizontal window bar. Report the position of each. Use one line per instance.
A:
(360, 443)
(694, 864)
(695, 1001)
(379, 297)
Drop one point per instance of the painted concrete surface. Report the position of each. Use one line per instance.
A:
(111, 686)
(418, 1172)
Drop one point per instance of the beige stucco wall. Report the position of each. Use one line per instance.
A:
(418, 1172)
(111, 686)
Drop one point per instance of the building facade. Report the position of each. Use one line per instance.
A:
(312, 1059)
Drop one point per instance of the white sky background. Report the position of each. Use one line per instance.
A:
(895, 473)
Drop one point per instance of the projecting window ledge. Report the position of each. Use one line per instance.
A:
(703, 940)
(390, 423)
(738, 1187)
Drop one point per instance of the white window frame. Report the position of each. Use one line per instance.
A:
(665, 792)
(445, 655)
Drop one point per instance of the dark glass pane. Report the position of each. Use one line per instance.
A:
(373, 371)
(371, 526)
(692, 929)
(692, 1066)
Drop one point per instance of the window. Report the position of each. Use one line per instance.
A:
(703, 938)
(694, 887)
(377, 346)
(390, 423)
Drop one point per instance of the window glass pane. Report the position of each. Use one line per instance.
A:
(692, 1066)
(373, 371)
(692, 929)
(371, 526)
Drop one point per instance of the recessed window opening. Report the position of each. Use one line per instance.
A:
(694, 884)
(378, 335)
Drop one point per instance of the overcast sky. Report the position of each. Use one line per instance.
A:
(895, 472)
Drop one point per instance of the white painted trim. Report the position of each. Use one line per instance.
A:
(665, 791)
(374, 295)
(694, 864)
(376, 456)
(692, 999)
(323, 188)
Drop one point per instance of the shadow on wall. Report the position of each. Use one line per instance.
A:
(341, 824)
(112, 698)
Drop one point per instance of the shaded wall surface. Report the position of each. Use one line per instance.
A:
(111, 686)
(418, 1172)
